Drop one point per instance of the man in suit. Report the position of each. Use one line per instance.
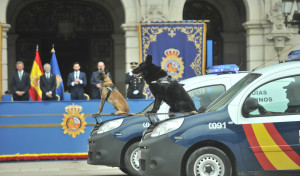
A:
(95, 84)
(20, 83)
(135, 84)
(77, 82)
(48, 84)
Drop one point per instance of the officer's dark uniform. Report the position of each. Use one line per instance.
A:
(135, 83)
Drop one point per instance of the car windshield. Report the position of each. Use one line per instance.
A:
(227, 96)
(148, 108)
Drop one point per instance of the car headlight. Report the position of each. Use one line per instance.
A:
(108, 126)
(167, 127)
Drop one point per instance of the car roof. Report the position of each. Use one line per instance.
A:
(277, 67)
(212, 76)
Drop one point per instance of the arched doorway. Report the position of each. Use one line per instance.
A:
(80, 31)
(201, 10)
(225, 28)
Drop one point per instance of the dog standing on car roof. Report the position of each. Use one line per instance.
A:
(164, 88)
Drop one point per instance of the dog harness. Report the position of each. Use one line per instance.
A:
(164, 80)
(110, 90)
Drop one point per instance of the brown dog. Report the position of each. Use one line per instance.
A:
(110, 93)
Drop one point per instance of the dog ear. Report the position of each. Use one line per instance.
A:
(149, 59)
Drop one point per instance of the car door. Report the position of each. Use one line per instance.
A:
(271, 141)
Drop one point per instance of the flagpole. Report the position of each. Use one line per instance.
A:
(53, 51)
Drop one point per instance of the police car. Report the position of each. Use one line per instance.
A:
(115, 142)
(251, 129)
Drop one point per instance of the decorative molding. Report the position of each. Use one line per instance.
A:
(279, 32)
(5, 28)
(154, 13)
(129, 27)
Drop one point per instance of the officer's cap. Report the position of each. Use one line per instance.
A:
(134, 64)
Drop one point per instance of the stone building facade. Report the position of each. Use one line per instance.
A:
(249, 33)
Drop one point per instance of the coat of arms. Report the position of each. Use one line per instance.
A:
(73, 122)
(173, 64)
(35, 82)
(58, 81)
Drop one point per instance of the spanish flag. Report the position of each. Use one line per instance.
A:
(35, 92)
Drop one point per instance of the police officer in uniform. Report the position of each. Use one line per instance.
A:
(135, 84)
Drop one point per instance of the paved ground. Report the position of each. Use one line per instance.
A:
(56, 168)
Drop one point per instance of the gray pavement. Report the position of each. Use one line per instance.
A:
(56, 168)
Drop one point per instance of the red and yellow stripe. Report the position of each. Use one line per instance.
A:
(48, 156)
(270, 149)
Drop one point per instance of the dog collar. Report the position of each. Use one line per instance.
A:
(164, 80)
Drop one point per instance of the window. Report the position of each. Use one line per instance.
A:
(204, 96)
(226, 98)
(278, 97)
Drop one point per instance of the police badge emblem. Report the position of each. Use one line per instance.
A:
(73, 122)
(173, 64)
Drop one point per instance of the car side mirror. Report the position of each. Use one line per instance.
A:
(250, 104)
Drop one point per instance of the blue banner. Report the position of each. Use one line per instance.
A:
(59, 81)
(178, 47)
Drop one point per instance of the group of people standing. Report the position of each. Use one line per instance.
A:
(77, 81)
(20, 83)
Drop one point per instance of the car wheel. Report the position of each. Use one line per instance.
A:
(208, 161)
(131, 159)
(123, 170)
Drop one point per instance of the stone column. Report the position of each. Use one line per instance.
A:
(132, 44)
(119, 64)
(6, 28)
(255, 44)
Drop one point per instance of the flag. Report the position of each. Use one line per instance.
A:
(35, 92)
(55, 70)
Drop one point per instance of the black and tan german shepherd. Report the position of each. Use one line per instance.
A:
(164, 88)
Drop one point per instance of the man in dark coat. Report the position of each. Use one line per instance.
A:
(135, 84)
(48, 84)
(95, 84)
(20, 83)
(77, 82)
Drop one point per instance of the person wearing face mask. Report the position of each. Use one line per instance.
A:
(77, 82)
(95, 83)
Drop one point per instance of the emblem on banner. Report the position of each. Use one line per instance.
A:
(58, 81)
(173, 64)
(73, 122)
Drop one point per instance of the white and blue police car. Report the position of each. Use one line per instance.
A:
(251, 129)
(115, 142)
